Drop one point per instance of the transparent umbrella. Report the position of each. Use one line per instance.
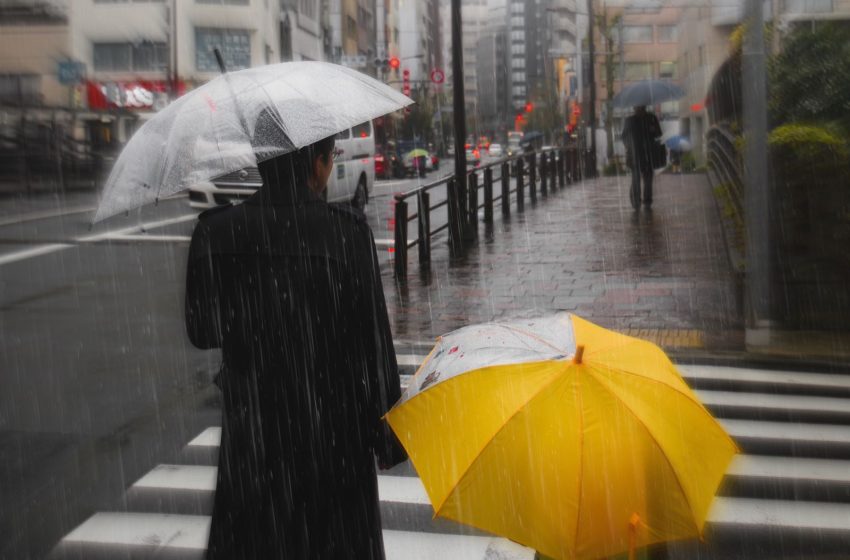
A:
(211, 130)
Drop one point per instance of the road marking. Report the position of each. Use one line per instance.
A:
(211, 437)
(97, 237)
(410, 359)
(774, 402)
(179, 477)
(143, 529)
(43, 214)
(136, 228)
(154, 238)
(384, 242)
(35, 252)
(780, 513)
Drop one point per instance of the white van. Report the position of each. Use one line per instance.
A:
(351, 180)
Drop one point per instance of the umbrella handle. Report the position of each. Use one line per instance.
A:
(220, 60)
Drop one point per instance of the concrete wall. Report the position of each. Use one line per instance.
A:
(26, 49)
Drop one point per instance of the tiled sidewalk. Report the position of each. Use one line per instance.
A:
(661, 274)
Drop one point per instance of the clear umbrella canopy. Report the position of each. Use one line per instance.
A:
(211, 131)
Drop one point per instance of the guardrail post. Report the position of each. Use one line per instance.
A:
(400, 239)
(488, 195)
(532, 176)
(544, 172)
(553, 170)
(506, 189)
(423, 203)
(472, 185)
(562, 157)
(520, 184)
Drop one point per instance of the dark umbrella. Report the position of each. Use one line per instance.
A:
(647, 92)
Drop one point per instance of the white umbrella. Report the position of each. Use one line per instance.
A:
(210, 131)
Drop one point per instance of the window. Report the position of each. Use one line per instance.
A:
(517, 21)
(638, 70)
(343, 134)
(667, 70)
(518, 63)
(234, 44)
(19, 88)
(518, 77)
(637, 33)
(667, 33)
(517, 36)
(518, 49)
(808, 6)
(307, 8)
(363, 130)
(126, 57)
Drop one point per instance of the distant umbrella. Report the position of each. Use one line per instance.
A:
(647, 92)
(678, 144)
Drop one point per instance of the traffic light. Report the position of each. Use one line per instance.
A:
(394, 63)
(529, 107)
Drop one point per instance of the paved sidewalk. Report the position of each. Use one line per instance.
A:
(660, 274)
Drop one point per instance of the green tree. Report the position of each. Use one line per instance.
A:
(811, 76)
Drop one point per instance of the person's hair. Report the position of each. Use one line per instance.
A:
(270, 138)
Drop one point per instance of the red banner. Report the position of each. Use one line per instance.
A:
(139, 94)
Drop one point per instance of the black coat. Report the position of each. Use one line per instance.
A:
(639, 136)
(289, 288)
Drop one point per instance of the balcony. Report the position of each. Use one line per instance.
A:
(38, 12)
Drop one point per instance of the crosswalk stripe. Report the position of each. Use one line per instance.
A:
(211, 437)
(787, 431)
(143, 529)
(780, 513)
(760, 466)
(179, 477)
(742, 375)
(774, 402)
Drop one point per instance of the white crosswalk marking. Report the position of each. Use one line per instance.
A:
(801, 486)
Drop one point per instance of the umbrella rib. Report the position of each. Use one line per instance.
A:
(654, 440)
(580, 461)
(531, 335)
(488, 440)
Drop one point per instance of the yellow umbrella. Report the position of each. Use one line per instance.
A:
(562, 436)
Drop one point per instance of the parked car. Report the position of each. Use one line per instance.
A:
(351, 180)
(495, 150)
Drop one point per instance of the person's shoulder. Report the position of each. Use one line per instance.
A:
(347, 213)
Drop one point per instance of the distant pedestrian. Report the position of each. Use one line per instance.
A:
(289, 288)
(640, 133)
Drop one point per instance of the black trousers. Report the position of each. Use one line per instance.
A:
(641, 170)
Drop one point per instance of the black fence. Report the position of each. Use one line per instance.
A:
(549, 170)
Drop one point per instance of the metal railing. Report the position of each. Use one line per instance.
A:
(552, 168)
(725, 163)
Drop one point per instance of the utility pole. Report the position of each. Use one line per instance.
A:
(591, 77)
(172, 27)
(458, 199)
(757, 199)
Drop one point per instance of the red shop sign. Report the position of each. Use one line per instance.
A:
(140, 94)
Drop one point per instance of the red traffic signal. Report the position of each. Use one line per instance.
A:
(394, 63)
(405, 74)
(529, 107)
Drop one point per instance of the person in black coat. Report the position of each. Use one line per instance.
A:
(289, 288)
(640, 133)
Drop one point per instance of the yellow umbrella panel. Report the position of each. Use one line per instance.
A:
(595, 447)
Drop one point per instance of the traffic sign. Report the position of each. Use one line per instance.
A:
(438, 76)
(70, 72)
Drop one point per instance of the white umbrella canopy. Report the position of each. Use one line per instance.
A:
(211, 130)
